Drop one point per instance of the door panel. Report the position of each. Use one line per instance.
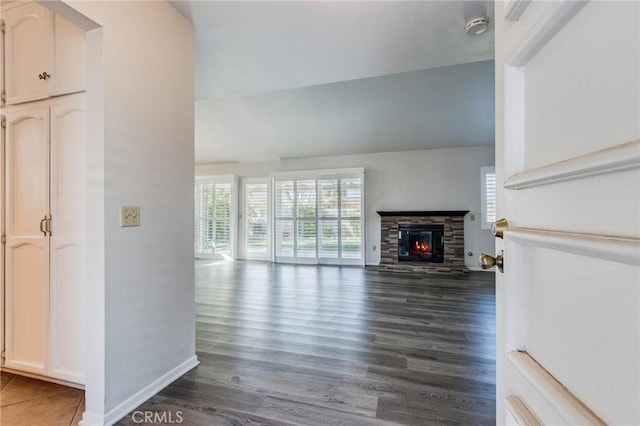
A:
(556, 81)
(26, 52)
(567, 166)
(69, 57)
(68, 174)
(27, 182)
(27, 248)
(68, 206)
(27, 295)
(67, 305)
(257, 218)
(571, 308)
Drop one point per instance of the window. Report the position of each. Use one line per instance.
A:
(318, 219)
(488, 181)
(256, 213)
(213, 217)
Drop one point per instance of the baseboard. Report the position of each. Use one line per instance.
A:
(43, 378)
(117, 413)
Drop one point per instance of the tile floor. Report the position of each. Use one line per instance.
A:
(25, 401)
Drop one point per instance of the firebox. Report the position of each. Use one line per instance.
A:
(421, 243)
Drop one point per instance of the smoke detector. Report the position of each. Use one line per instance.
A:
(477, 26)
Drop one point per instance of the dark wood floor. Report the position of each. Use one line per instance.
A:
(322, 345)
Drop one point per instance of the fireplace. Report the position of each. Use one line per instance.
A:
(420, 243)
(448, 223)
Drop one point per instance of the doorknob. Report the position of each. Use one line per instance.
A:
(487, 261)
(498, 227)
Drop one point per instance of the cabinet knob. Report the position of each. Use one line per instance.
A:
(45, 75)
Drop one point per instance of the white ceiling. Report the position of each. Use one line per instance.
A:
(290, 79)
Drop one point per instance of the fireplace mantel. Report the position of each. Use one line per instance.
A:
(425, 213)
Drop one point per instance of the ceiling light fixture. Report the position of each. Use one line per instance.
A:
(477, 26)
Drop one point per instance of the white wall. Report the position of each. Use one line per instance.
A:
(141, 327)
(435, 179)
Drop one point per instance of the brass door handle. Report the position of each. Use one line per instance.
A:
(45, 75)
(487, 261)
(498, 227)
(42, 225)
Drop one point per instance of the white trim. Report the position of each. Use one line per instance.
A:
(544, 30)
(615, 249)
(216, 178)
(43, 378)
(319, 173)
(514, 9)
(117, 413)
(565, 403)
(521, 413)
(614, 159)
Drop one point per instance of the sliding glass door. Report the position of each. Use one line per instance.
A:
(257, 222)
(213, 218)
(318, 219)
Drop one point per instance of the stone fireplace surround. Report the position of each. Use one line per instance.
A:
(453, 221)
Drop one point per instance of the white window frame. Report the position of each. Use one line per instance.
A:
(244, 252)
(317, 175)
(233, 215)
(487, 217)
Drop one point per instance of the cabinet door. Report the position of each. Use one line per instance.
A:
(27, 248)
(68, 193)
(26, 53)
(69, 68)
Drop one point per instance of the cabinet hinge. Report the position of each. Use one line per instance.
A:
(4, 121)
(3, 98)
(4, 238)
(2, 26)
(3, 357)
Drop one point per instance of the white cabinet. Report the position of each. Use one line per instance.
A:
(45, 55)
(45, 225)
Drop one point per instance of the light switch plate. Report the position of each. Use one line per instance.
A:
(129, 216)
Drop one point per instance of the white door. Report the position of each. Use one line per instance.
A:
(68, 223)
(69, 67)
(27, 241)
(567, 165)
(257, 218)
(26, 57)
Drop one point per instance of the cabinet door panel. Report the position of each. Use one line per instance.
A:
(67, 309)
(68, 189)
(27, 168)
(26, 52)
(69, 58)
(68, 182)
(27, 310)
(27, 248)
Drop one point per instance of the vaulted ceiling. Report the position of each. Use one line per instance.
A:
(294, 79)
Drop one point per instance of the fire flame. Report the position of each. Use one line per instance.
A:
(422, 248)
